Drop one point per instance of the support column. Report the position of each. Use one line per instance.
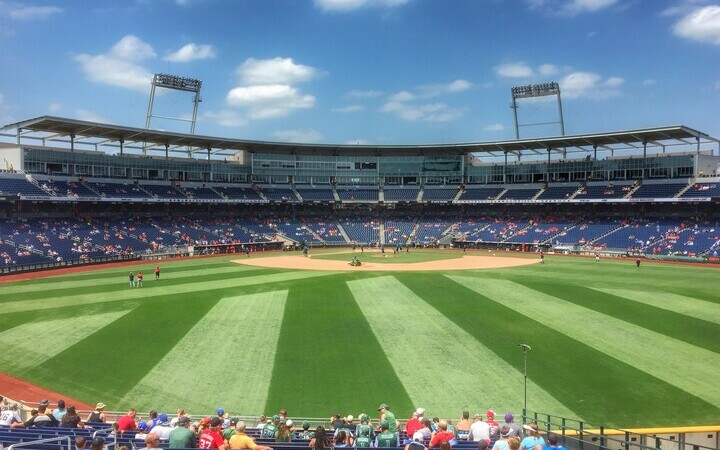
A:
(547, 172)
(167, 147)
(122, 141)
(505, 168)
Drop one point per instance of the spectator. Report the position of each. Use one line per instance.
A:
(127, 422)
(386, 438)
(241, 441)
(163, 428)
(10, 416)
(321, 440)
(502, 443)
(442, 435)
(60, 411)
(385, 414)
(284, 433)
(98, 415)
(515, 429)
(152, 441)
(552, 443)
(181, 436)
(210, 437)
(463, 426)
(80, 443)
(415, 444)
(270, 430)
(341, 439)
(479, 430)
(43, 418)
(97, 443)
(494, 426)
(71, 419)
(532, 437)
(306, 434)
(413, 425)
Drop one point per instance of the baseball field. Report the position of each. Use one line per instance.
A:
(611, 344)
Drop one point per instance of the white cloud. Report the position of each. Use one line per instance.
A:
(349, 109)
(191, 52)
(591, 34)
(494, 127)
(430, 112)
(274, 71)
(54, 107)
(432, 90)
(548, 69)
(89, 116)
(119, 67)
(299, 136)
(701, 24)
(590, 85)
(269, 101)
(363, 94)
(357, 142)
(225, 118)
(22, 12)
(350, 5)
(514, 70)
(649, 82)
(569, 7)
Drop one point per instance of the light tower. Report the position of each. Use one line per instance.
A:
(177, 83)
(536, 90)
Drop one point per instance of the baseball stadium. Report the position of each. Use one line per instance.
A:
(578, 281)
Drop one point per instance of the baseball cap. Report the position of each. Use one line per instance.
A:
(142, 426)
(220, 411)
(349, 418)
(206, 421)
(183, 420)
(276, 418)
(420, 411)
(215, 421)
(97, 442)
(509, 417)
(44, 402)
(530, 427)
(100, 405)
(477, 416)
(289, 423)
(162, 418)
(363, 417)
(384, 424)
(306, 424)
(490, 414)
(384, 405)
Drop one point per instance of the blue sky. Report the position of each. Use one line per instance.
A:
(365, 71)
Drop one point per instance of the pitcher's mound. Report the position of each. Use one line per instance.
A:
(463, 263)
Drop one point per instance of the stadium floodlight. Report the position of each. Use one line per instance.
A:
(177, 83)
(525, 348)
(536, 90)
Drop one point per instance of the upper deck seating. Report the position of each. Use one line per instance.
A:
(164, 191)
(520, 194)
(316, 194)
(118, 190)
(353, 194)
(239, 193)
(664, 190)
(557, 192)
(408, 194)
(20, 186)
(702, 190)
(439, 194)
(480, 193)
(610, 190)
(280, 195)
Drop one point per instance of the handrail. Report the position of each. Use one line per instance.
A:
(43, 441)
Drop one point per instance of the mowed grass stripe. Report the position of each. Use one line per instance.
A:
(685, 366)
(684, 328)
(225, 359)
(327, 357)
(10, 291)
(692, 307)
(32, 343)
(128, 293)
(439, 363)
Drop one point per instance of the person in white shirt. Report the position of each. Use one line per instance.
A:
(10, 416)
(479, 430)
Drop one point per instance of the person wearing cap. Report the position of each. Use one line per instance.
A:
(412, 425)
(71, 419)
(415, 444)
(10, 416)
(230, 430)
(386, 438)
(210, 437)
(385, 414)
(532, 437)
(479, 430)
(494, 426)
(142, 431)
(43, 418)
(127, 422)
(240, 440)
(270, 430)
(181, 436)
(515, 429)
(463, 426)
(306, 434)
(364, 432)
(442, 435)
(98, 415)
(152, 440)
(60, 411)
(163, 428)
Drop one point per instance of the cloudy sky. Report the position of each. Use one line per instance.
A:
(365, 71)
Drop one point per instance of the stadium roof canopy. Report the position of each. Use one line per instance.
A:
(90, 135)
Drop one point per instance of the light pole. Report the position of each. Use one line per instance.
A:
(525, 348)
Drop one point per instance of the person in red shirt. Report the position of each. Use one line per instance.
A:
(211, 437)
(413, 425)
(127, 422)
(494, 427)
(441, 435)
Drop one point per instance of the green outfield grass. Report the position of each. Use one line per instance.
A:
(611, 345)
